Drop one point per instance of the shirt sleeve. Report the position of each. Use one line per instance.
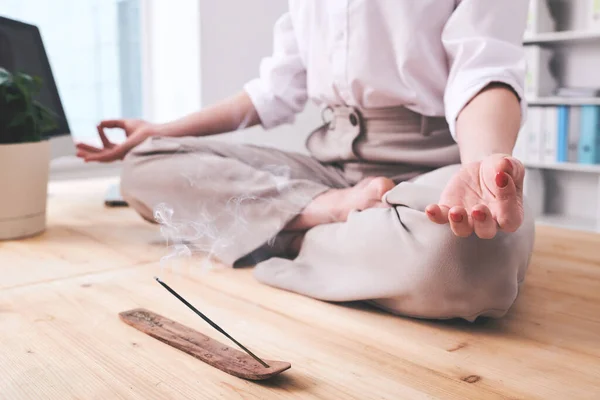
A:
(483, 40)
(279, 92)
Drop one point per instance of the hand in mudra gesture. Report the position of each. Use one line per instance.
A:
(483, 197)
(136, 131)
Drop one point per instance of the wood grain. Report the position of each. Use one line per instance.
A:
(204, 348)
(61, 293)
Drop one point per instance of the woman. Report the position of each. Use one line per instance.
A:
(410, 197)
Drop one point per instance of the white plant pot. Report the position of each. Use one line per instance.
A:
(24, 170)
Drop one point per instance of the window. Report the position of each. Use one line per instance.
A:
(94, 47)
(118, 58)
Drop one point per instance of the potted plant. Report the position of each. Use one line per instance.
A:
(24, 156)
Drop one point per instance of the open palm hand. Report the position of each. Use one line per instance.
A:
(483, 197)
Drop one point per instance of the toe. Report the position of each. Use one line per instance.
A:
(380, 186)
(365, 182)
(362, 197)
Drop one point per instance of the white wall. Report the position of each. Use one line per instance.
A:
(171, 58)
(229, 59)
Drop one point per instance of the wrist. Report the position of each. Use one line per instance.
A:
(152, 130)
(475, 152)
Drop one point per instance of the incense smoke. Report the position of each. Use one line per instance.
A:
(215, 224)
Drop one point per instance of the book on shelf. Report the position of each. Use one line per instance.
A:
(562, 134)
(539, 78)
(578, 92)
(594, 15)
(535, 145)
(589, 136)
(549, 134)
(559, 134)
(539, 18)
(573, 133)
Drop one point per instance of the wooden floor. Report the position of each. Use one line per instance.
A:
(61, 338)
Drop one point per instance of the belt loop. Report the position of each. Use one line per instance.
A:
(425, 125)
(331, 121)
(356, 118)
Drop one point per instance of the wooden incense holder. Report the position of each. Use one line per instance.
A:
(202, 347)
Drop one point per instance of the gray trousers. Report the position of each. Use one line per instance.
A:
(233, 200)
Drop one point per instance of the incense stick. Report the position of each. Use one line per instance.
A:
(211, 323)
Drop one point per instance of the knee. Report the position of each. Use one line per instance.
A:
(171, 171)
(466, 277)
(135, 185)
(146, 176)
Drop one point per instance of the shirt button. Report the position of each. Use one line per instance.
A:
(353, 120)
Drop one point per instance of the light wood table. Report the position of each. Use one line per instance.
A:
(61, 338)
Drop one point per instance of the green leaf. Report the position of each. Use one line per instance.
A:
(45, 117)
(37, 84)
(5, 76)
(10, 97)
(19, 120)
(23, 119)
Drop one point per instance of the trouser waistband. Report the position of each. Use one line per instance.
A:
(387, 135)
(396, 119)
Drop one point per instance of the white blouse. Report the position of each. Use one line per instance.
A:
(431, 56)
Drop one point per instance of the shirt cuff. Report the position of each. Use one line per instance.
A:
(264, 101)
(461, 93)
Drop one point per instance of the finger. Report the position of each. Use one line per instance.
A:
(484, 224)
(508, 213)
(510, 217)
(513, 167)
(105, 142)
(510, 174)
(505, 186)
(105, 156)
(508, 210)
(83, 153)
(113, 154)
(437, 214)
(127, 145)
(459, 222)
(87, 148)
(112, 123)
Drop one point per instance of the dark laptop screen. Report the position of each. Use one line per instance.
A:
(22, 50)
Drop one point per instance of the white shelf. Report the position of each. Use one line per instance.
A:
(589, 168)
(562, 221)
(562, 37)
(568, 101)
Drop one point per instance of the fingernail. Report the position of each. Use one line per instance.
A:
(512, 166)
(479, 215)
(429, 212)
(501, 179)
(456, 217)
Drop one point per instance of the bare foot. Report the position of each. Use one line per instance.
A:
(335, 205)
